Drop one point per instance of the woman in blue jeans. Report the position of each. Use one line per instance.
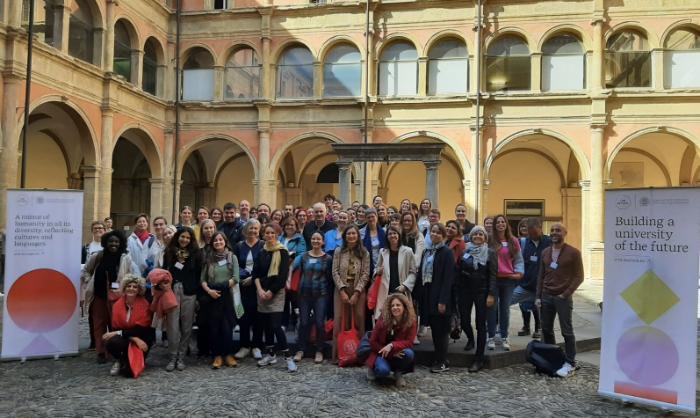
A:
(316, 274)
(510, 270)
(391, 342)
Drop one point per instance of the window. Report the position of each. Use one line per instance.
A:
(122, 50)
(448, 68)
(342, 72)
(220, 4)
(627, 60)
(563, 64)
(198, 76)
(43, 19)
(295, 74)
(398, 70)
(508, 64)
(682, 59)
(242, 75)
(150, 67)
(81, 32)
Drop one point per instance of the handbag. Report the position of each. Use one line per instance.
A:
(137, 362)
(295, 281)
(455, 327)
(373, 293)
(348, 341)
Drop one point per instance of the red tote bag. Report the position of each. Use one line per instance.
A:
(348, 341)
(373, 294)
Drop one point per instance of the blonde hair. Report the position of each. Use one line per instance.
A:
(409, 314)
(131, 278)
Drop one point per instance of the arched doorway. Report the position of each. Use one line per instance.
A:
(406, 180)
(216, 171)
(61, 153)
(135, 164)
(535, 175)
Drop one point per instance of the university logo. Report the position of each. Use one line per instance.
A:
(623, 202)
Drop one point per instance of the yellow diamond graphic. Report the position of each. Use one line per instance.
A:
(649, 297)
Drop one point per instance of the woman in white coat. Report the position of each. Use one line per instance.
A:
(397, 268)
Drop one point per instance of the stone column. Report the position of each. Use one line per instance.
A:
(472, 201)
(536, 72)
(318, 80)
(61, 26)
(108, 59)
(345, 179)
(9, 157)
(169, 152)
(432, 182)
(597, 79)
(161, 72)
(422, 76)
(218, 83)
(14, 19)
(157, 186)
(596, 203)
(107, 147)
(267, 76)
(91, 178)
(264, 176)
(657, 69)
(136, 67)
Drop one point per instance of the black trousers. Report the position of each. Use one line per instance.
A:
(440, 329)
(220, 325)
(271, 324)
(118, 347)
(466, 299)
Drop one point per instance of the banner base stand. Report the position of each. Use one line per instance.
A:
(42, 357)
(646, 402)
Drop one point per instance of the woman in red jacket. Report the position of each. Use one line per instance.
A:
(392, 340)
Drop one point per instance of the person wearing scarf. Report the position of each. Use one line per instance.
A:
(139, 244)
(270, 276)
(437, 277)
(476, 281)
(104, 271)
(219, 275)
(131, 326)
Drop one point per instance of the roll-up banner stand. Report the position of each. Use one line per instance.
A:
(649, 332)
(42, 273)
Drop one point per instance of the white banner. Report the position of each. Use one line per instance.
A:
(649, 336)
(42, 273)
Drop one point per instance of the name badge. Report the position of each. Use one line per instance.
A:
(466, 256)
(504, 244)
(222, 262)
(115, 285)
(533, 258)
(179, 265)
(313, 261)
(553, 265)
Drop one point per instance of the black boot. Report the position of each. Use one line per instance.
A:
(477, 365)
(469, 346)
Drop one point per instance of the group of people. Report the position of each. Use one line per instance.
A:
(388, 273)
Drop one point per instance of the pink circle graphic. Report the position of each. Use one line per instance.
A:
(647, 356)
(41, 300)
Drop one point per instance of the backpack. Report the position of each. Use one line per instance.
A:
(547, 358)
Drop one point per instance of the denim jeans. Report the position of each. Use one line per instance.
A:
(383, 367)
(526, 299)
(307, 304)
(504, 293)
(551, 307)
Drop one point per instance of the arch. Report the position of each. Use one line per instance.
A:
(282, 47)
(158, 46)
(84, 22)
(235, 46)
(276, 160)
(186, 54)
(465, 165)
(342, 70)
(185, 152)
(514, 31)
(398, 37)
(143, 140)
(93, 151)
(332, 42)
(446, 34)
(131, 28)
(578, 153)
(566, 28)
(562, 177)
(681, 24)
(680, 133)
(655, 160)
(652, 38)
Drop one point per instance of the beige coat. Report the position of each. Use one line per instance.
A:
(341, 262)
(407, 274)
(126, 266)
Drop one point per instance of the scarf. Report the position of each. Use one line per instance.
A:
(478, 253)
(429, 257)
(276, 257)
(142, 235)
(140, 314)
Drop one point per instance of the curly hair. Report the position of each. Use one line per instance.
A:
(409, 314)
(132, 278)
(120, 236)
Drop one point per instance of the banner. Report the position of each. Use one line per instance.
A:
(649, 336)
(42, 273)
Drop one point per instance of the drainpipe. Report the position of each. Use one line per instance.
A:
(177, 106)
(477, 116)
(27, 94)
(366, 107)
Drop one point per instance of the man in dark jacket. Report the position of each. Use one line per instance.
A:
(230, 226)
(319, 224)
(524, 293)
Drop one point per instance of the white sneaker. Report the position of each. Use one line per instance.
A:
(257, 354)
(242, 353)
(115, 369)
(237, 329)
(566, 370)
(267, 360)
(416, 341)
(491, 344)
(422, 330)
(291, 365)
(506, 344)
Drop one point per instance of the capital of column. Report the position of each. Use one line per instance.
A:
(432, 165)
